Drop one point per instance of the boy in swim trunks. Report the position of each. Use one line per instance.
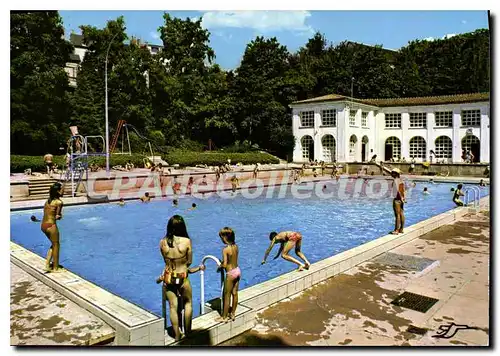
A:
(146, 198)
(456, 196)
(233, 274)
(288, 240)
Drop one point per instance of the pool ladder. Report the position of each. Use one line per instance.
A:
(202, 282)
(476, 196)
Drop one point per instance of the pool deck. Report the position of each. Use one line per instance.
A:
(41, 316)
(353, 308)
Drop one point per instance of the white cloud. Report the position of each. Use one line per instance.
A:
(154, 34)
(464, 21)
(450, 35)
(264, 21)
(430, 39)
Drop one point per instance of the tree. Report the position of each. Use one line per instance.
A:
(39, 83)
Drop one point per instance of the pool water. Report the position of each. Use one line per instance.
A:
(117, 247)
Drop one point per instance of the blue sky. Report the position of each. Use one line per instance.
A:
(232, 30)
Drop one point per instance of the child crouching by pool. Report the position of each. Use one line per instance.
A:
(233, 274)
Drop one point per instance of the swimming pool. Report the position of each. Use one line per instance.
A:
(117, 247)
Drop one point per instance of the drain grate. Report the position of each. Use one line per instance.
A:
(411, 263)
(413, 301)
(416, 330)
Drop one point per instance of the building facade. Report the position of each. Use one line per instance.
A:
(80, 49)
(338, 128)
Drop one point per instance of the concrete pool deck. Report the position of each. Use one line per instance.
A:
(354, 309)
(41, 316)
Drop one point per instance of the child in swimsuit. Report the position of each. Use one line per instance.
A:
(233, 274)
(426, 191)
(190, 185)
(121, 202)
(288, 240)
(456, 196)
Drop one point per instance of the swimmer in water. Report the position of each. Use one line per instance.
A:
(234, 183)
(324, 187)
(482, 183)
(146, 198)
(175, 203)
(287, 240)
(426, 192)
(413, 184)
(233, 274)
(193, 206)
(431, 181)
(35, 219)
(121, 202)
(456, 196)
(52, 211)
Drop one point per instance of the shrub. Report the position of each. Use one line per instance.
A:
(183, 158)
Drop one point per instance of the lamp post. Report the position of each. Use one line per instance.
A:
(106, 103)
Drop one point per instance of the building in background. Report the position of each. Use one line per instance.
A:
(336, 127)
(80, 49)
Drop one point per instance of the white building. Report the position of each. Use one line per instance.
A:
(80, 49)
(336, 127)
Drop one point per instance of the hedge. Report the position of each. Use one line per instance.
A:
(183, 158)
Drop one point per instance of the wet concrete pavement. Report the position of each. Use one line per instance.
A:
(41, 316)
(355, 308)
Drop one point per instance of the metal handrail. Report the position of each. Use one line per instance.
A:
(202, 282)
(476, 196)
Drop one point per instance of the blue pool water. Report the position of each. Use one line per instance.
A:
(117, 247)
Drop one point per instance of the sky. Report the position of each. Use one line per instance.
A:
(231, 31)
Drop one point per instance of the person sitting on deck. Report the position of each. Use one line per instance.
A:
(146, 198)
(204, 180)
(287, 240)
(456, 196)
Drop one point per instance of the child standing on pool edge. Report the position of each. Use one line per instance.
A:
(233, 273)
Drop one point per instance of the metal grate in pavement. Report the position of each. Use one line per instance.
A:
(412, 263)
(413, 301)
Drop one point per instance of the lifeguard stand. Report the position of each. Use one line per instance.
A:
(78, 150)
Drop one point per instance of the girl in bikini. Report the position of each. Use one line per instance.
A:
(233, 274)
(288, 240)
(456, 196)
(52, 211)
(176, 250)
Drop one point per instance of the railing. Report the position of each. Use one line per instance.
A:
(476, 196)
(202, 282)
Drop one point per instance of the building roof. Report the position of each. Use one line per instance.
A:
(76, 40)
(417, 101)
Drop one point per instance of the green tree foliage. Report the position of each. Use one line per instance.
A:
(181, 98)
(39, 84)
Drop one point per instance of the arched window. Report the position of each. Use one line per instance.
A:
(307, 147)
(444, 147)
(352, 147)
(418, 147)
(395, 148)
(329, 148)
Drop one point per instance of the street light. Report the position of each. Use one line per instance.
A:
(106, 103)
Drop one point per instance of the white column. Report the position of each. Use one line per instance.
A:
(457, 144)
(405, 125)
(431, 123)
(484, 137)
(342, 117)
(297, 150)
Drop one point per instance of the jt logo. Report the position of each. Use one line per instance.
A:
(449, 330)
